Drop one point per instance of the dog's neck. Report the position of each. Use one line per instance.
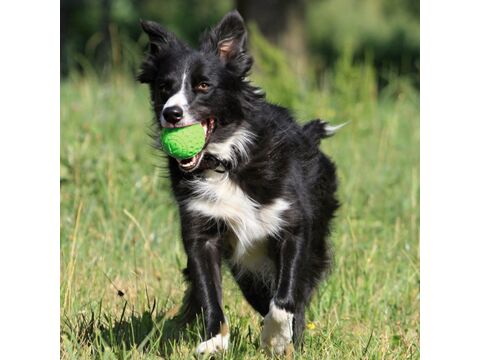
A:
(211, 162)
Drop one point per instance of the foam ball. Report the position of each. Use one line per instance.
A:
(183, 143)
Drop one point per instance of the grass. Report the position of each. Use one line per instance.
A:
(121, 252)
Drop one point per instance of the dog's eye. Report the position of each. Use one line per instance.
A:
(164, 86)
(202, 86)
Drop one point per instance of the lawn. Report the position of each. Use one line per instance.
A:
(121, 252)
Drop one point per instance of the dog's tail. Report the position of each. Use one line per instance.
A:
(317, 129)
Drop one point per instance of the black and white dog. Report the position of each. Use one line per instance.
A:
(260, 195)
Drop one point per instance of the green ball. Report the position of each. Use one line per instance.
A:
(183, 143)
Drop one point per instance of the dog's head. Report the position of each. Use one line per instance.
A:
(206, 86)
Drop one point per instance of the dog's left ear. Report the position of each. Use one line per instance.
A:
(228, 41)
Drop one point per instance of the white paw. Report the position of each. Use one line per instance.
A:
(217, 343)
(277, 330)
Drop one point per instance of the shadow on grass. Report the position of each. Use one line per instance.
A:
(144, 332)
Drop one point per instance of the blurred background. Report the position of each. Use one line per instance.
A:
(105, 35)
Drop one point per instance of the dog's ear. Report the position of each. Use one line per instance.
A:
(228, 41)
(161, 41)
(160, 38)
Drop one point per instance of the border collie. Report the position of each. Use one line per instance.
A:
(260, 195)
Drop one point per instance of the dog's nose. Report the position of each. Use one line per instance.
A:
(173, 114)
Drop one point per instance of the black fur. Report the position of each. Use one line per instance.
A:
(284, 162)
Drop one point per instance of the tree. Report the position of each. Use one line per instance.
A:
(283, 23)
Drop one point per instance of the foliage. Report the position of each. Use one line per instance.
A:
(107, 33)
(121, 252)
(387, 31)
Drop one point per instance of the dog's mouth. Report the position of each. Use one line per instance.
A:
(192, 163)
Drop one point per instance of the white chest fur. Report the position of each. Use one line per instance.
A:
(219, 198)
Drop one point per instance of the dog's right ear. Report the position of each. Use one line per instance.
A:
(160, 38)
(161, 41)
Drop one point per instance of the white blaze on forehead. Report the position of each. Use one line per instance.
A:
(179, 99)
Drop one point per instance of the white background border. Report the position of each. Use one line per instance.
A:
(450, 180)
(29, 179)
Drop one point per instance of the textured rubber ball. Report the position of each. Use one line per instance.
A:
(183, 143)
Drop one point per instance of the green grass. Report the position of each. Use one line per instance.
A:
(120, 231)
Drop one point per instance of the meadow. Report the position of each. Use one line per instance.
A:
(121, 252)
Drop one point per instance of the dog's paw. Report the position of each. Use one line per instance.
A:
(215, 344)
(277, 330)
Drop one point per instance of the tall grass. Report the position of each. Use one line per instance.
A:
(121, 252)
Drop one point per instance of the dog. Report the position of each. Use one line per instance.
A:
(260, 197)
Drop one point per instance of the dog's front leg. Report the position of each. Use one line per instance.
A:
(204, 260)
(278, 324)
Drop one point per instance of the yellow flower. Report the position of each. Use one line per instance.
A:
(311, 326)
